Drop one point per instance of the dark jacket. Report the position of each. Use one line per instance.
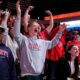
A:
(7, 67)
(63, 69)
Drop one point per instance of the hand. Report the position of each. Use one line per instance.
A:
(30, 8)
(62, 27)
(48, 12)
(18, 5)
(18, 8)
(7, 13)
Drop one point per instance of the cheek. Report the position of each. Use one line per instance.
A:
(77, 54)
(32, 29)
(72, 52)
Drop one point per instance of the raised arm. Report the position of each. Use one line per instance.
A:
(17, 24)
(6, 16)
(57, 37)
(4, 22)
(26, 17)
(51, 22)
(18, 9)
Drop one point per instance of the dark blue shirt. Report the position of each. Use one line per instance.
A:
(7, 66)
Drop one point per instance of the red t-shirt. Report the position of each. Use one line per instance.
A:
(43, 34)
(58, 51)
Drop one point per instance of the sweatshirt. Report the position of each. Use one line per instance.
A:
(12, 44)
(7, 67)
(32, 50)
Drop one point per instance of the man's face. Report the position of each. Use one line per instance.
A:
(34, 29)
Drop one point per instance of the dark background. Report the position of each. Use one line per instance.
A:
(56, 6)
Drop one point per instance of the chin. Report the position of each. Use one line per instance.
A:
(35, 34)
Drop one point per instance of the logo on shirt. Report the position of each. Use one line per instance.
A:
(34, 47)
(3, 52)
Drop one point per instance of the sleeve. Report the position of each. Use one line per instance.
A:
(54, 41)
(53, 33)
(13, 75)
(63, 38)
(17, 34)
(5, 34)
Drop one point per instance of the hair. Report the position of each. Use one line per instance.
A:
(67, 54)
(32, 21)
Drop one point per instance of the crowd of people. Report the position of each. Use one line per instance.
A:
(31, 51)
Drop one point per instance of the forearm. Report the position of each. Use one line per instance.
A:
(56, 39)
(17, 25)
(26, 19)
(51, 24)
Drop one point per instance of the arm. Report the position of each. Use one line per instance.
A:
(26, 17)
(4, 25)
(53, 32)
(56, 39)
(4, 22)
(51, 22)
(17, 25)
(6, 16)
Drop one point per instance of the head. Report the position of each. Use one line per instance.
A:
(11, 20)
(1, 34)
(75, 35)
(41, 27)
(73, 51)
(33, 28)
